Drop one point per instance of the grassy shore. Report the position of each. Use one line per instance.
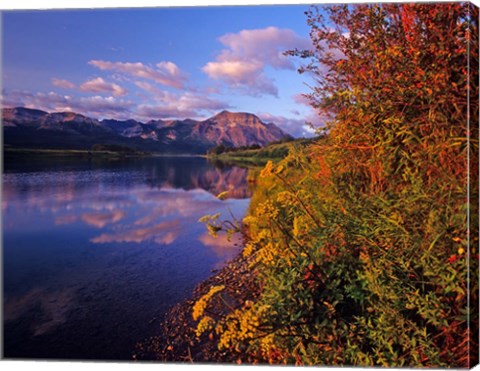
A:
(242, 161)
(330, 265)
(256, 157)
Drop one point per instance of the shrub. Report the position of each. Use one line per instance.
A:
(365, 241)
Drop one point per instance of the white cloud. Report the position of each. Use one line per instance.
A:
(294, 126)
(234, 71)
(246, 76)
(242, 64)
(163, 73)
(173, 105)
(147, 87)
(99, 85)
(163, 104)
(155, 112)
(266, 45)
(94, 106)
(61, 83)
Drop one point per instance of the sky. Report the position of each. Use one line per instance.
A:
(159, 63)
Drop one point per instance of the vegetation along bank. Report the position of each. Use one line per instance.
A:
(362, 245)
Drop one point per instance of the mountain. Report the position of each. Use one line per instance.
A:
(236, 129)
(128, 128)
(30, 128)
(23, 127)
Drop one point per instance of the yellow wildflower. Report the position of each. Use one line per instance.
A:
(267, 170)
(205, 324)
(201, 304)
(223, 195)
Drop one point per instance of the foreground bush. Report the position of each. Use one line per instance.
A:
(365, 242)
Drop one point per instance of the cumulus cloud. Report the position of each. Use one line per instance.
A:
(242, 63)
(247, 76)
(104, 106)
(61, 83)
(163, 73)
(266, 45)
(147, 87)
(162, 104)
(99, 85)
(297, 127)
(173, 105)
(148, 111)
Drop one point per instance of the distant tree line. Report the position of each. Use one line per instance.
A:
(113, 148)
(225, 149)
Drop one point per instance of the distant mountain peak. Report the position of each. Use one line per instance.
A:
(10, 113)
(232, 119)
(233, 115)
(33, 128)
(222, 113)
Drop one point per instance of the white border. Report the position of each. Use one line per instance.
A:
(88, 4)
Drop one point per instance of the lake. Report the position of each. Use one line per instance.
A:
(95, 251)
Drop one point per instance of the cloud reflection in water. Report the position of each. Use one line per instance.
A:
(100, 220)
(162, 233)
(94, 248)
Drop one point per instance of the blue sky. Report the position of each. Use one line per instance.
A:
(159, 63)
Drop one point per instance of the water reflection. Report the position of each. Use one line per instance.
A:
(162, 172)
(94, 250)
(162, 233)
(54, 306)
(100, 220)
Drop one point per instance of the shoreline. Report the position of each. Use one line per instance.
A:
(177, 341)
(89, 153)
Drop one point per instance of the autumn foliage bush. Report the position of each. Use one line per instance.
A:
(365, 241)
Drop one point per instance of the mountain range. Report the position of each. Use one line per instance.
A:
(31, 128)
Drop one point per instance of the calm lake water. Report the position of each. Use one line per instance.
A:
(95, 251)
